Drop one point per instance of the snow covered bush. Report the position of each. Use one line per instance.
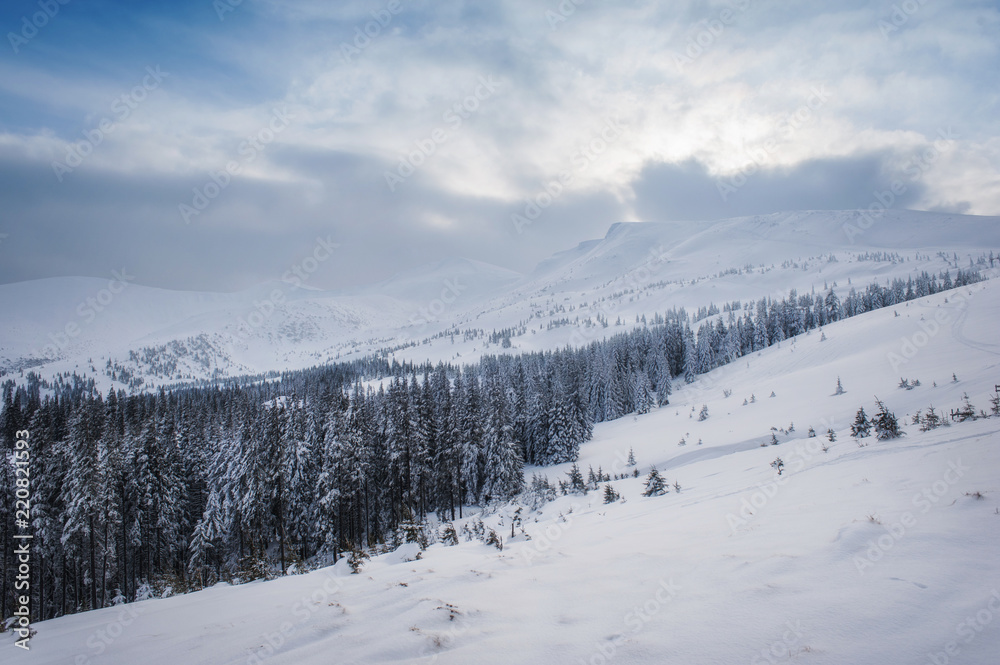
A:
(885, 423)
(655, 485)
(861, 427)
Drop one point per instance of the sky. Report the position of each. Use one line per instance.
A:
(211, 145)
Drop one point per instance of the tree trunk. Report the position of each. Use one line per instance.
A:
(93, 566)
(281, 525)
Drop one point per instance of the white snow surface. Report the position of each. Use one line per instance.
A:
(874, 554)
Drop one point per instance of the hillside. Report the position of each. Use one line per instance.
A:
(161, 337)
(877, 553)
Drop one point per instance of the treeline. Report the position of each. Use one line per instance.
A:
(137, 493)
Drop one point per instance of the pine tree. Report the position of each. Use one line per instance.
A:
(840, 388)
(831, 435)
(861, 426)
(576, 479)
(703, 414)
(966, 411)
(655, 485)
(610, 495)
(885, 423)
(644, 394)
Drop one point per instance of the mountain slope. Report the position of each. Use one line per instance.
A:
(878, 553)
(598, 288)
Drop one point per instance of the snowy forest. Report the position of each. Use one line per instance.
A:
(180, 489)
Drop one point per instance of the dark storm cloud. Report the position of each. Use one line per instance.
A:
(688, 192)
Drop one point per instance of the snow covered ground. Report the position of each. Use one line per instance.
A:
(875, 554)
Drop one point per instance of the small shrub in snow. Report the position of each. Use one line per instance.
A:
(772, 394)
(778, 465)
(931, 420)
(356, 560)
(703, 415)
(966, 411)
(492, 538)
(631, 458)
(144, 592)
(831, 435)
(840, 388)
(812, 433)
(774, 439)
(995, 405)
(448, 535)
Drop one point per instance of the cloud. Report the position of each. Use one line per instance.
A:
(564, 71)
(687, 191)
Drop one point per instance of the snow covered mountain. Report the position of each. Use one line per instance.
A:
(139, 337)
(860, 551)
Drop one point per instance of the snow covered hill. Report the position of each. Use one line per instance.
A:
(137, 337)
(876, 553)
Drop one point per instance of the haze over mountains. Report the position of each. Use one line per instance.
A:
(168, 337)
